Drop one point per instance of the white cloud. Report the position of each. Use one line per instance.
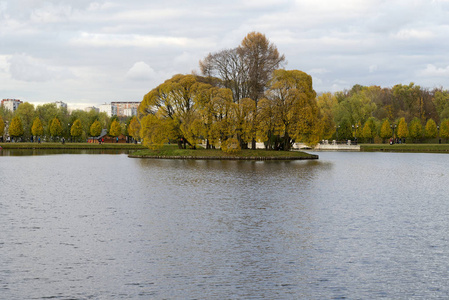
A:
(406, 34)
(133, 40)
(26, 68)
(140, 71)
(433, 71)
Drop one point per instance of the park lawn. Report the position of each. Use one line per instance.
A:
(70, 146)
(172, 151)
(421, 148)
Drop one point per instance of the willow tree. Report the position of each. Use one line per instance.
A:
(213, 106)
(295, 108)
(178, 104)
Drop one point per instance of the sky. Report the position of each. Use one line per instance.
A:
(88, 53)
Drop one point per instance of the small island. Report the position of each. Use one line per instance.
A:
(173, 152)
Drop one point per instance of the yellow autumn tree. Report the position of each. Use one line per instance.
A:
(77, 129)
(134, 128)
(2, 127)
(115, 130)
(37, 129)
(95, 129)
(16, 127)
(296, 111)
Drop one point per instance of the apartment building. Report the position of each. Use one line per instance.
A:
(11, 104)
(126, 109)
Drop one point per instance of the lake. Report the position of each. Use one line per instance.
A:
(346, 226)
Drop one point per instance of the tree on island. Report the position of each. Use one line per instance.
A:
(16, 127)
(77, 129)
(190, 108)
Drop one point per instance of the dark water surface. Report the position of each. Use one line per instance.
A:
(350, 225)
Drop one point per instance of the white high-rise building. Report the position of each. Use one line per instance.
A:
(109, 109)
(60, 104)
(11, 104)
(126, 109)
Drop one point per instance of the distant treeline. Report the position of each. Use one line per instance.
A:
(372, 113)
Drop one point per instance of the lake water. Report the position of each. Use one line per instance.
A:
(350, 225)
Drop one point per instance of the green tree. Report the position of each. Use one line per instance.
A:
(95, 129)
(444, 129)
(26, 113)
(176, 100)
(37, 129)
(344, 130)
(369, 130)
(431, 129)
(441, 102)
(2, 127)
(386, 130)
(327, 104)
(77, 129)
(115, 129)
(415, 129)
(55, 128)
(16, 127)
(402, 129)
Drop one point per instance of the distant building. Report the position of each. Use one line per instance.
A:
(60, 104)
(126, 109)
(11, 104)
(88, 109)
(130, 112)
(109, 109)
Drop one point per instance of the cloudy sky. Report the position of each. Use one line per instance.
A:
(88, 52)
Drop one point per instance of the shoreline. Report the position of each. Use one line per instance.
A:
(256, 158)
(169, 152)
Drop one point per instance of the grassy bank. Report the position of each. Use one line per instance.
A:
(70, 146)
(172, 151)
(420, 148)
